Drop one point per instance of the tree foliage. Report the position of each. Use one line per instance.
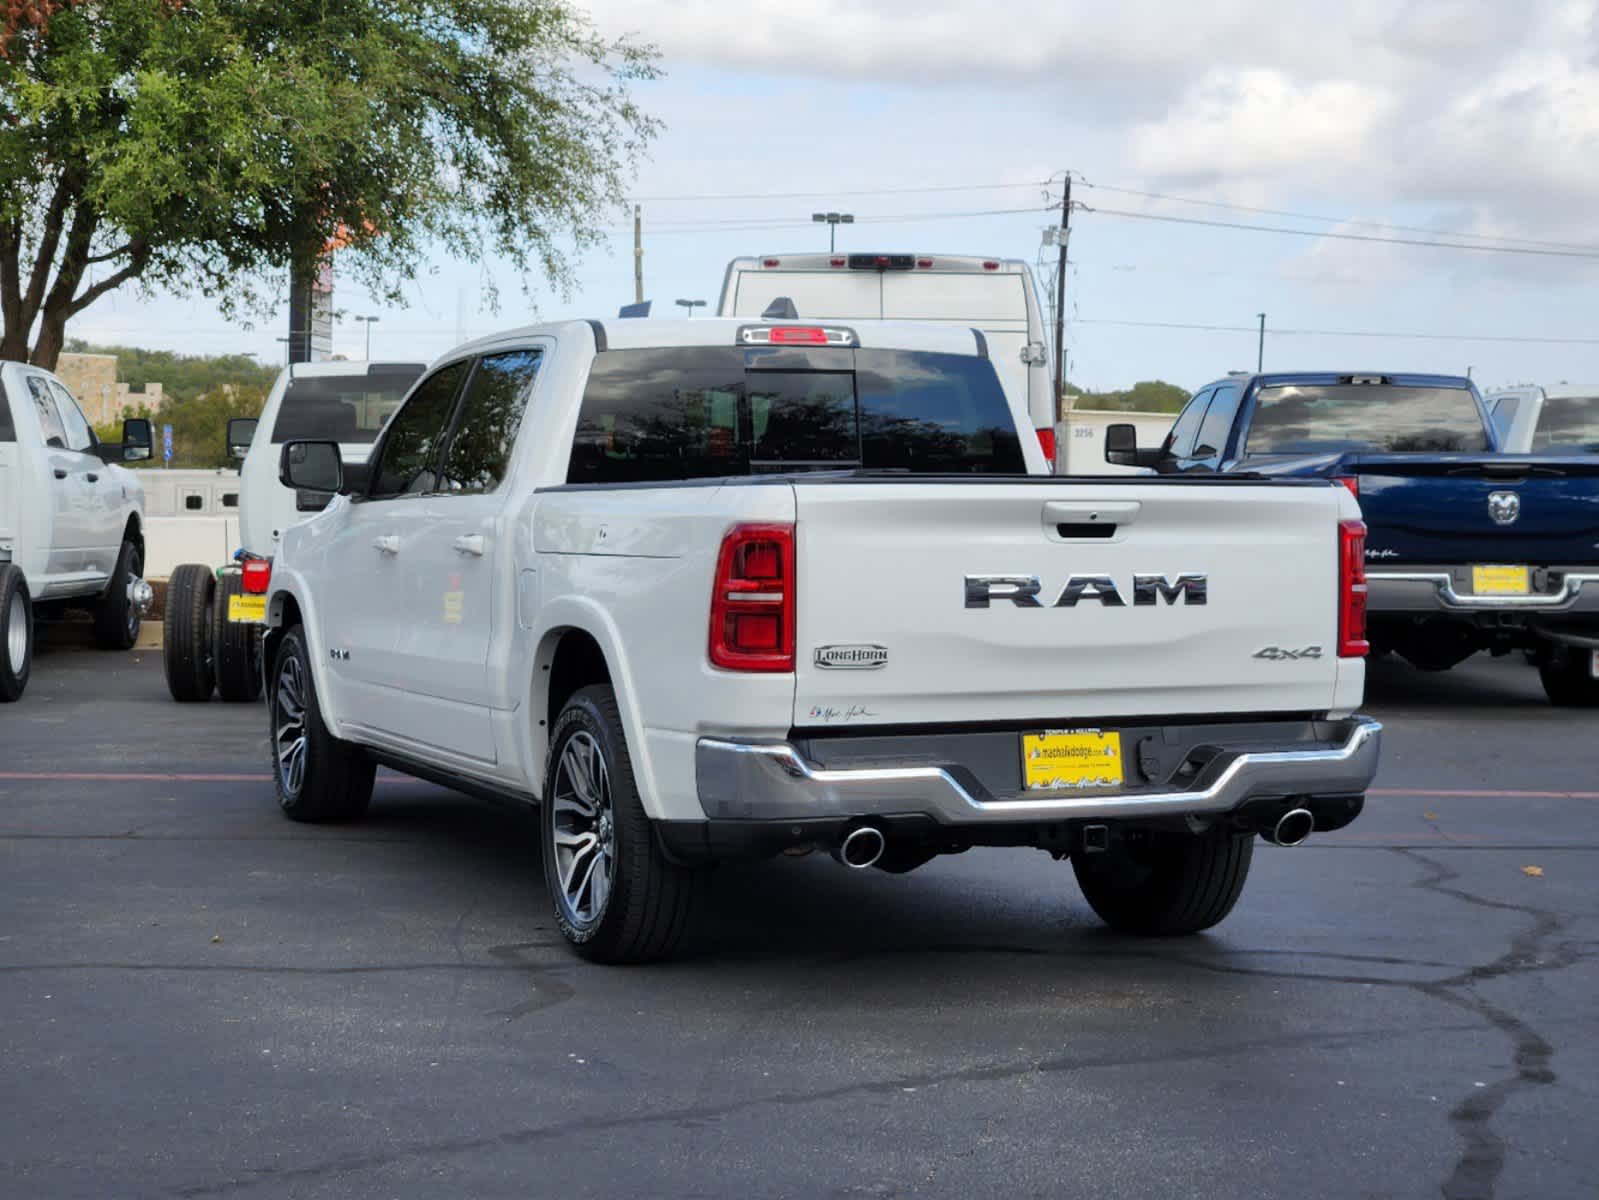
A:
(199, 425)
(1151, 395)
(183, 377)
(207, 145)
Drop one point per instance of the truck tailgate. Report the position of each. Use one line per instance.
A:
(883, 571)
(1422, 510)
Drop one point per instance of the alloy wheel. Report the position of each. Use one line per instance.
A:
(288, 726)
(17, 633)
(584, 830)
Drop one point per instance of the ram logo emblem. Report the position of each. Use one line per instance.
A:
(1504, 507)
(1023, 591)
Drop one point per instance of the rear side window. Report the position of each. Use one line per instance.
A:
(706, 412)
(491, 413)
(409, 456)
(1381, 418)
(341, 408)
(44, 406)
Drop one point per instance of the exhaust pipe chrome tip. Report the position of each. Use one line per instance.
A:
(861, 848)
(1292, 828)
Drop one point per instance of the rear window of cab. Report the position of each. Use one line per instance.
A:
(710, 412)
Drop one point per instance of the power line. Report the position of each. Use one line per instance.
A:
(900, 191)
(747, 224)
(1280, 212)
(1352, 333)
(1348, 237)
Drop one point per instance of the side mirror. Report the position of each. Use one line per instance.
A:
(241, 432)
(138, 440)
(311, 467)
(1121, 447)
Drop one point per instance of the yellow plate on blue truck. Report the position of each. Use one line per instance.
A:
(1501, 581)
(1059, 759)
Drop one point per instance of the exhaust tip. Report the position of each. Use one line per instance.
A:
(862, 848)
(1292, 828)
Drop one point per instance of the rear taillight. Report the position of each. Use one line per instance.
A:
(990, 266)
(257, 575)
(1352, 482)
(837, 262)
(771, 262)
(1352, 590)
(752, 600)
(924, 263)
(1046, 440)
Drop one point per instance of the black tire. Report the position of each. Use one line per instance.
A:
(235, 647)
(1166, 884)
(332, 779)
(186, 633)
(16, 633)
(647, 901)
(116, 621)
(1567, 680)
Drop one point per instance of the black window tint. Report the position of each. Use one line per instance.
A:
(410, 448)
(342, 408)
(1211, 443)
(491, 413)
(1184, 433)
(707, 411)
(44, 406)
(935, 413)
(1384, 418)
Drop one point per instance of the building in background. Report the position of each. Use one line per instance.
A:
(92, 378)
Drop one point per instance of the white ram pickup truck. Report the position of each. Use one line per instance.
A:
(719, 589)
(71, 521)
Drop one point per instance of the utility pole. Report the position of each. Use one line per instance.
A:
(1260, 347)
(638, 253)
(1060, 297)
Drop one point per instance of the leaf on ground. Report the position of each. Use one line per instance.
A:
(1533, 871)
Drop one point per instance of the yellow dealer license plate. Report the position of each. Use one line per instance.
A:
(1501, 581)
(251, 610)
(1071, 758)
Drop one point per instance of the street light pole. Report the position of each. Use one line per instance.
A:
(1260, 346)
(833, 220)
(368, 321)
(691, 305)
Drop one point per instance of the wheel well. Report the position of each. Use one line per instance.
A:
(134, 533)
(288, 616)
(578, 662)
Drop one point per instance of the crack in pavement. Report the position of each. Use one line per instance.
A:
(1476, 1172)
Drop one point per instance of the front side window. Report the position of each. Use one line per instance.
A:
(1211, 442)
(1181, 440)
(707, 412)
(1378, 418)
(44, 406)
(79, 436)
(408, 459)
(350, 409)
(491, 414)
(1568, 424)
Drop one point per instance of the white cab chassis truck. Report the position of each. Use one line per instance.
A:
(212, 631)
(71, 520)
(723, 589)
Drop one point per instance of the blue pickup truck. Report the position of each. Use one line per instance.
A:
(1467, 549)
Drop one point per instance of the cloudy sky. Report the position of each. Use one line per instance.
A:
(1365, 125)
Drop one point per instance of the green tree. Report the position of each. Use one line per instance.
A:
(199, 425)
(181, 376)
(1151, 395)
(207, 145)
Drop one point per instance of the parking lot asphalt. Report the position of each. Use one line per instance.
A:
(199, 998)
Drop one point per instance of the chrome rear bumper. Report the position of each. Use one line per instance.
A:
(1435, 591)
(773, 781)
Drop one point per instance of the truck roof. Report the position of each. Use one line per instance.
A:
(1401, 379)
(811, 261)
(631, 333)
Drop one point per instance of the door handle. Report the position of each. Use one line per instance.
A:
(386, 544)
(60, 474)
(471, 543)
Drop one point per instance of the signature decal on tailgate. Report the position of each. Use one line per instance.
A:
(851, 658)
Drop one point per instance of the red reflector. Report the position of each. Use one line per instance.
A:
(257, 575)
(1046, 439)
(924, 263)
(752, 600)
(1352, 590)
(990, 266)
(798, 335)
(837, 262)
(771, 262)
(1352, 483)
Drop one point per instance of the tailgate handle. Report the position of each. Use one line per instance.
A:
(1088, 518)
